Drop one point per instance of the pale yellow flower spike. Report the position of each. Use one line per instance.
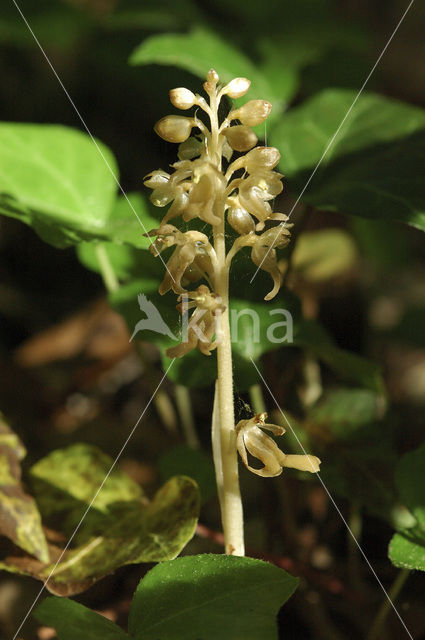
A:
(228, 194)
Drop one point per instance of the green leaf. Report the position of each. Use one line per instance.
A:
(182, 460)
(209, 597)
(202, 49)
(372, 166)
(130, 219)
(72, 620)
(20, 519)
(55, 179)
(120, 528)
(65, 481)
(125, 227)
(407, 549)
(410, 470)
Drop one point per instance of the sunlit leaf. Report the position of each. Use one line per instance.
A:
(121, 526)
(19, 516)
(55, 179)
(407, 548)
(66, 481)
(210, 596)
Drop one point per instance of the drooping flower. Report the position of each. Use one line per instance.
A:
(202, 326)
(250, 438)
(190, 247)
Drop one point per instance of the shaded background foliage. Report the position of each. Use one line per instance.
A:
(82, 381)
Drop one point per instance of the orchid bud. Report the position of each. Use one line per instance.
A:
(182, 98)
(212, 76)
(240, 220)
(240, 138)
(237, 87)
(174, 128)
(262, 158)
(210, 84)
(252, 113)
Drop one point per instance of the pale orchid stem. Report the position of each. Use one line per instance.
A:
(225, 455)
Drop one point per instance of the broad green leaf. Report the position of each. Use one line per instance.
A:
(202, 49)
(72, 620)
(182, 460)
(19, 516)
(372, 167)
(323, 254)
(121, 527)
(130, 219)
(407, 548)
(209, 597)
(410, 470)
(55, 179)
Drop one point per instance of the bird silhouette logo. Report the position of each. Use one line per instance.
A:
(153, 321)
